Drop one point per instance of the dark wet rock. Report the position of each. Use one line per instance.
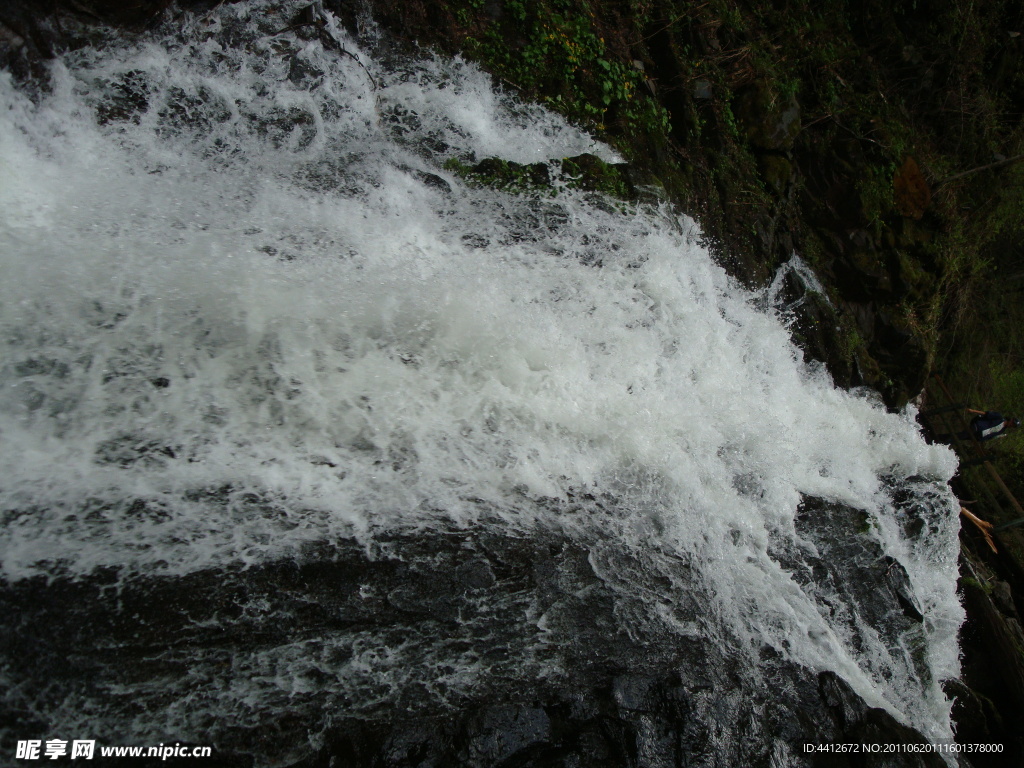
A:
(915, 233)
(1002, 598)
(900, 354)
(504, 731)
(127, 102)
(830, 195)
(474, 240)
(434, 181)
(840, 537)
(812, 321)
(431, 180)
(26, 40)
(771, 121)
(863, 275)
(977, 719)
(876, 261)
(914, 280)
(776, 170)
(865, 726)
(591, 173)
(31, 32)
(12, 43)
(461, 649)
(899, 582)
(990, 697)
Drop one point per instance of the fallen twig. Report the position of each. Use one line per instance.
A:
(985, 528)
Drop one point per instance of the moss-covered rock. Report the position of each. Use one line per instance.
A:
(505, 174)
(770, 119)
(585, 172)
(776, 170)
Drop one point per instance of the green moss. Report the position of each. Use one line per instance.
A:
(967, 582)
(865, 524)
(584, 172)
(593, 174)
(534, 178)
(874, 187)
(776, 170)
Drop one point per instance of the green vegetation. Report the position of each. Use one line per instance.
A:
(560, 57)
(503, 174)
(585, 172)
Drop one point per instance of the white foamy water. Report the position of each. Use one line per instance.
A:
(245, 307)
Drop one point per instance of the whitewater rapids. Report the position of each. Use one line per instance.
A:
(248, 309)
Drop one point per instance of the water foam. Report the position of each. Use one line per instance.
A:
(247, 308)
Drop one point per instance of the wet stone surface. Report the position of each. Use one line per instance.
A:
(467, 649)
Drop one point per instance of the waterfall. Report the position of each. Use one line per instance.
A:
(252, 314)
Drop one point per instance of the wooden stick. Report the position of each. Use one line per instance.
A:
(984, 527)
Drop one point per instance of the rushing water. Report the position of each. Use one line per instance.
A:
(248, 314)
